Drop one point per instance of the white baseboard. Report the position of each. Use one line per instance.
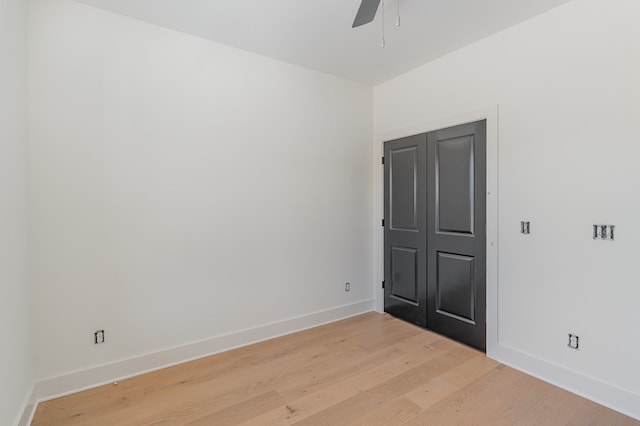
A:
(587, 387)
(28, 409)
(75, 382)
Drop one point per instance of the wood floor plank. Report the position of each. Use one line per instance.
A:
(444, 385)
(227, 389)
(367, 370)
(240, 412)
(359, 405)
(455, 408)
(557, 405)
(313, 403)
(395, 412)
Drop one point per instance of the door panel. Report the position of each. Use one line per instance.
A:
(456, 262)
(454, 182)
(455, 288)
(404, 274)
(405, 233)
(403, 188)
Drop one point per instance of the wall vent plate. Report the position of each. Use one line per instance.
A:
(525, 228)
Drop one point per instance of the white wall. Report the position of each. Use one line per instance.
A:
(16, 376)
(567, 87)
(182, 190)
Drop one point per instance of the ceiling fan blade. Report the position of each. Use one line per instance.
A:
(366, 12)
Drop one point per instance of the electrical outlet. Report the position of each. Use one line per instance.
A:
(98, 337)
(574, 341)
(347, 286)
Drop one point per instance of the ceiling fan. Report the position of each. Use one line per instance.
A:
(366, 12)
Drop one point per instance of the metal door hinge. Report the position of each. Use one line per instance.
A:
(382, 160)
(382, 283)
(382, 222)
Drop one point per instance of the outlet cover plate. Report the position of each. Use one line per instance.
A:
(574, 341)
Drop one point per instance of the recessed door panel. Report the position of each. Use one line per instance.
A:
(403, 182)
(455, 289)
(404, 277)
(454, 185)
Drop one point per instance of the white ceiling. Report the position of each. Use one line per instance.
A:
(317, 34)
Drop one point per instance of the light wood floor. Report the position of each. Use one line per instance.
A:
(366, 370)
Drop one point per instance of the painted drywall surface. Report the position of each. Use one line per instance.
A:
(16, 376)
(182, 189)
(567, 88)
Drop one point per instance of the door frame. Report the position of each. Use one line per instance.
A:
(490, 114)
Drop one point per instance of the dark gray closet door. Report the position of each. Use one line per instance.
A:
(456, 233)
(405, 233)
